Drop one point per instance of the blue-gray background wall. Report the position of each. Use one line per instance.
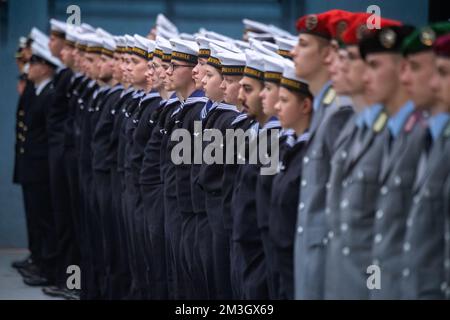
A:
(137, 16)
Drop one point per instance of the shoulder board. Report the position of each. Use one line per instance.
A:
(380, 123)
(329, 96)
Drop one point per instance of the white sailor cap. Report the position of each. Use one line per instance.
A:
(42, 53)
(121, 43)
(87, 28)
(203, 46)
(71, 35)
(58, 28)
(38, 35)
(285, 46)
(151, 49)
(163, 49)
(217, 36)
(270, 46)
(260, 36)
(82, 41)
(184, 50)
(233, 64)
(214, 59)
(255, 26)
(22, 42)
(140, 46)
(242, 45)
(274, 30)
(254, 65)
(187, 36)
(94, 43)
(291, 82)
(163, 22)
(109, 46)
(259, 47)
(129, 41)
(273, 68)
(103, 33)
(166, 33)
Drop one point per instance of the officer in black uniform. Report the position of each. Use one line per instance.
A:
(33, 165)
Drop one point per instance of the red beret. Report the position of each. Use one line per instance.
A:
(442, 46)
(319, 24)
(339, 22)
(358, 28)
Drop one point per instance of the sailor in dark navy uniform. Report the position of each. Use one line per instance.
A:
(178, 177)
(294, 109)
(87, 118)
(136, 68)
(33, 165)
(151, 185)
(249, 253)
(273, 69)
(102, 126)
(216, 115)
(67, 246)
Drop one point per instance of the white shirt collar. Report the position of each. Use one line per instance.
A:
(41, 86)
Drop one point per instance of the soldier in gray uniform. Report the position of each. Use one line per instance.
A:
(354, 176)
(401, 143)
(423, 244)
(310, 56)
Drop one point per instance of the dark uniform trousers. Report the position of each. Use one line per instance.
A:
(78, 84)
(172, 218)
(397, 175)
(246, 233)
(94, 264)
(25, 99)
(196, 242)
(76, 116)
(120, 267)
(32, 173)
(102, 184)
(160, 274)
(133, 161)
(311, 236)
(129, 194)
(228, 185)
(425, 238)
(282, 214)
(210, 179)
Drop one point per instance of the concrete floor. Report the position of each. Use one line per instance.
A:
(11, 283)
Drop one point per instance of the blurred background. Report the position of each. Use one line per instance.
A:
(17, 17)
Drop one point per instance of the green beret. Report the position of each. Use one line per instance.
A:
(423, 38)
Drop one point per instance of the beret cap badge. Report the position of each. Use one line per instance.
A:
(427, 36)
(311, 22)
(388, 38)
